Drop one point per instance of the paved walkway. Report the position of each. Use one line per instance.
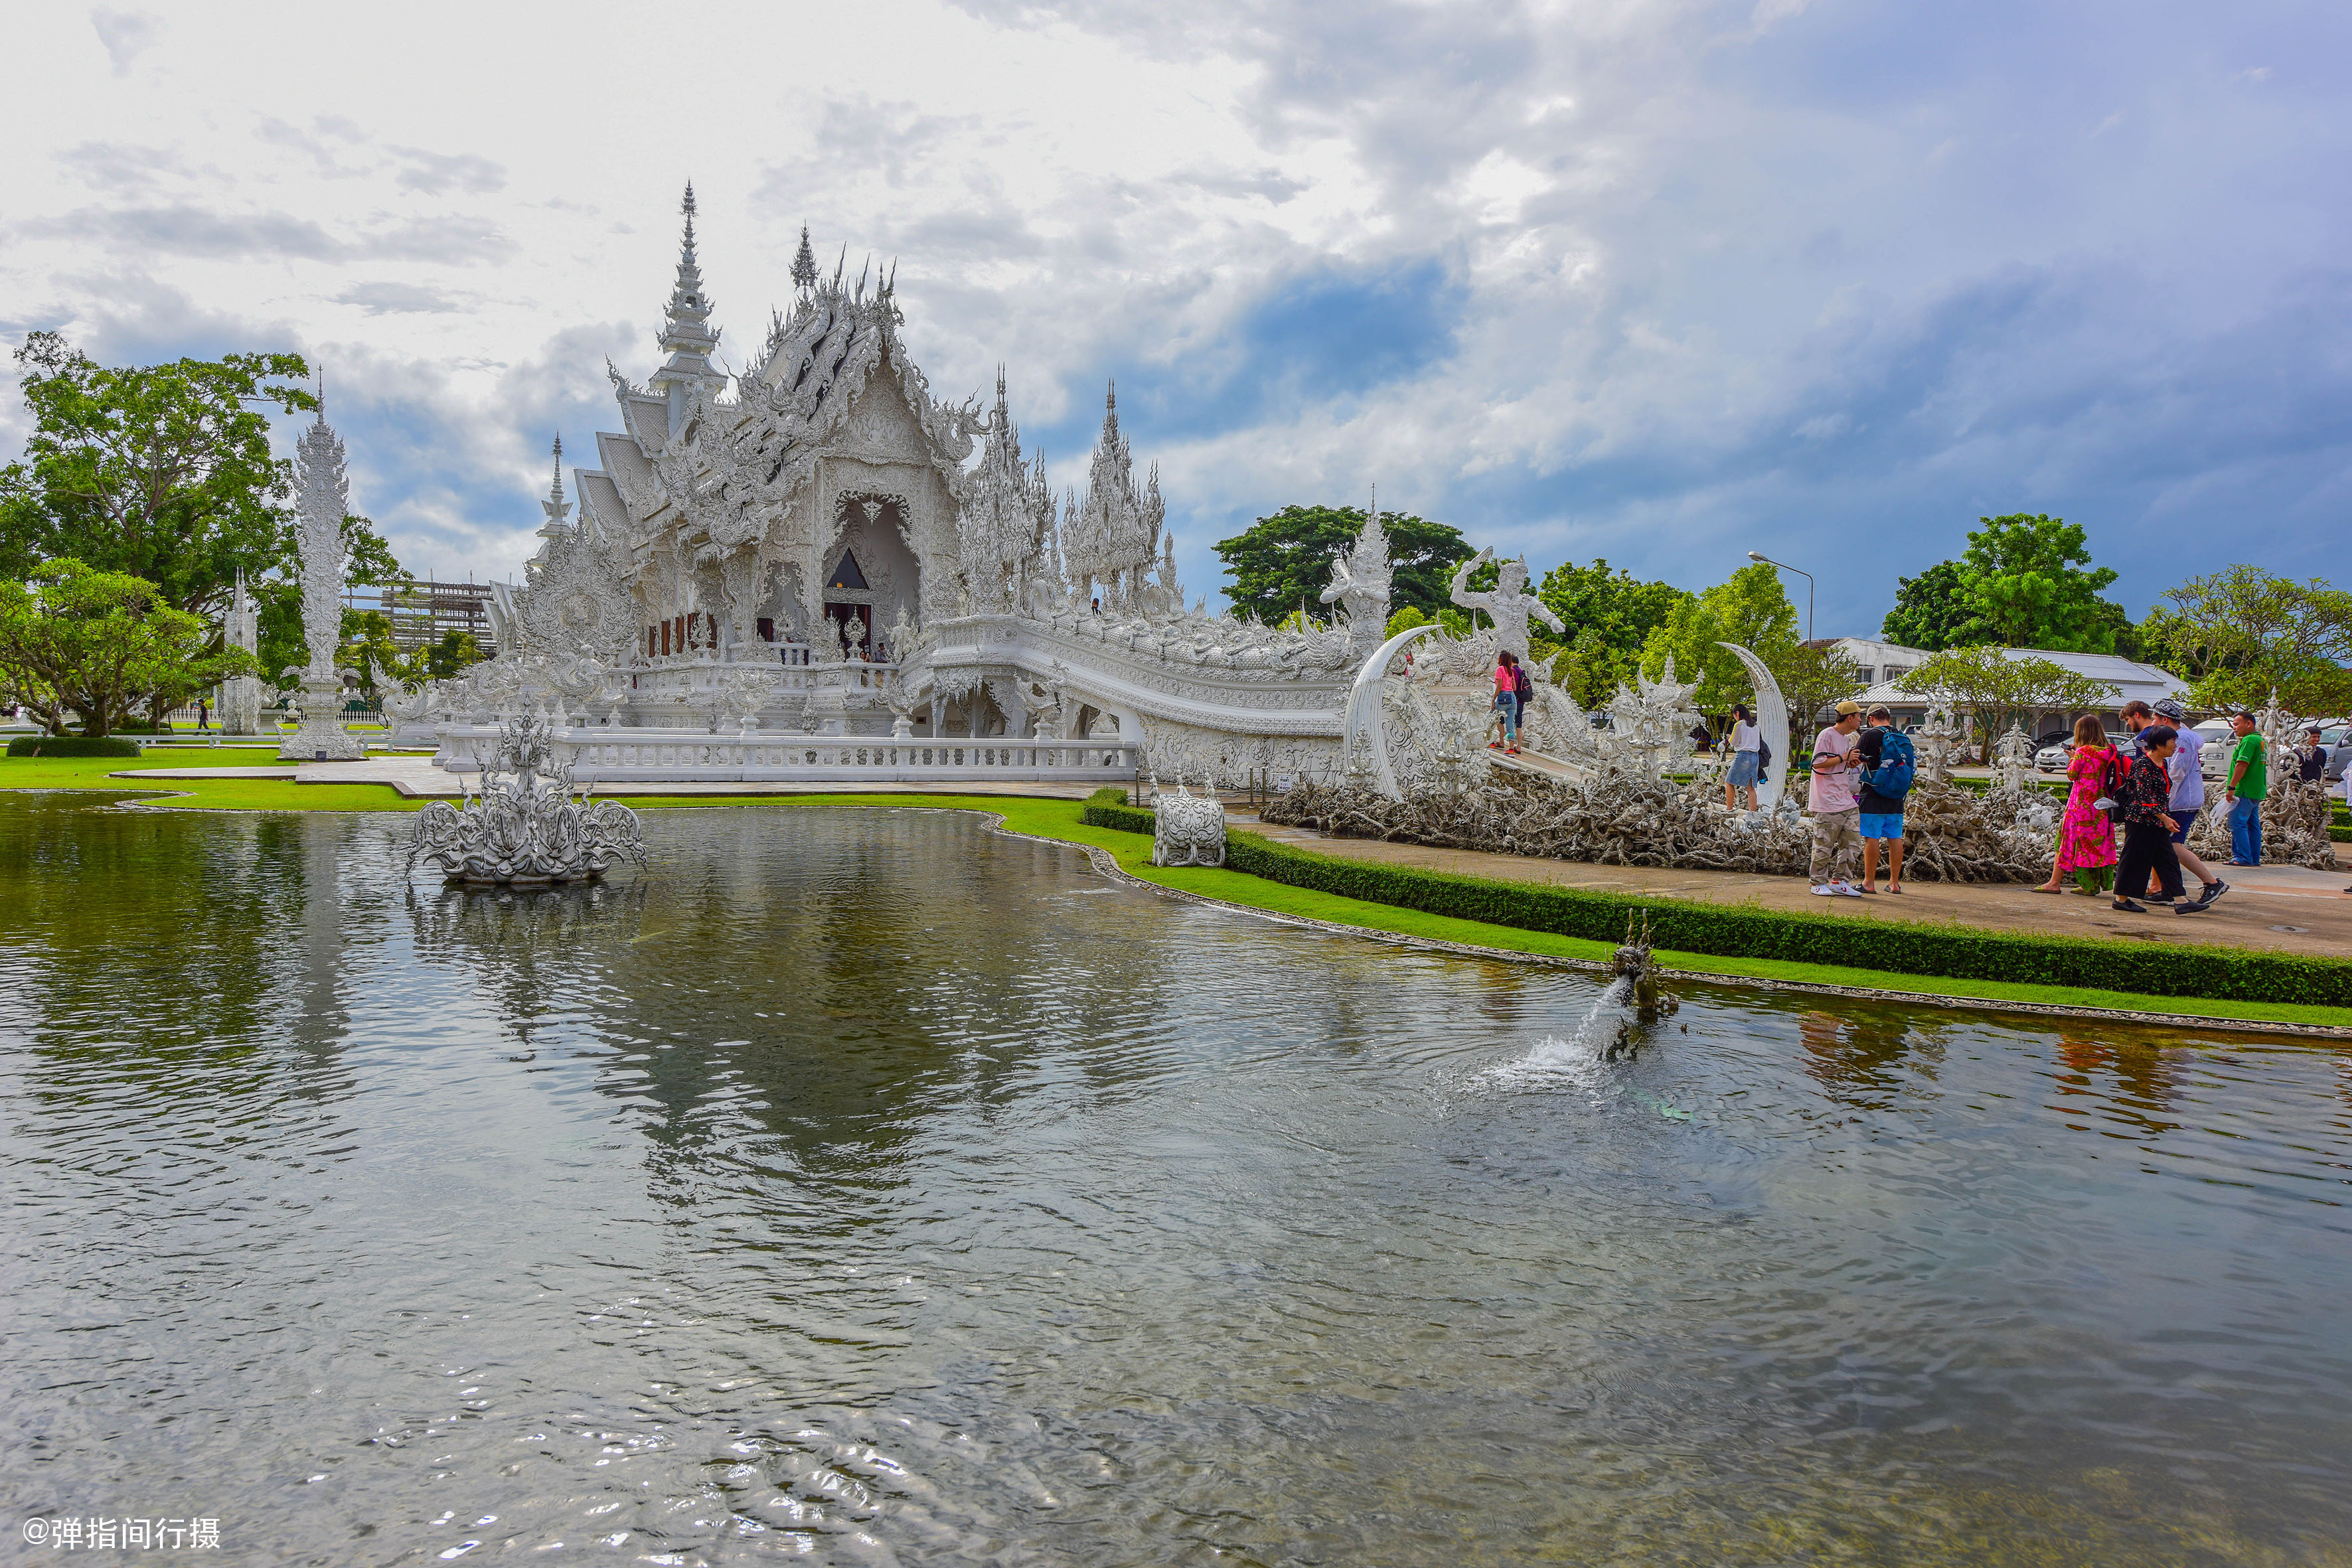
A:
(2286, 908)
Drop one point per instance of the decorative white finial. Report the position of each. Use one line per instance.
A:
(555, 506)
(804, 264)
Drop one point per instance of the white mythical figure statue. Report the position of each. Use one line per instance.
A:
(1360, 581)
(321, 499)
(1510, 606)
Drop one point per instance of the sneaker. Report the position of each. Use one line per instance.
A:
(2127, 907)
(2191, 907)
(1845, 890)
(2213, 889)
(1824, 890)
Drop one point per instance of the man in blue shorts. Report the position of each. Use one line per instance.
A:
(1881, 816)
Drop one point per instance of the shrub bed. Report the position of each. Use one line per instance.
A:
(1111, 813)
(73, 746)
(1954, 951)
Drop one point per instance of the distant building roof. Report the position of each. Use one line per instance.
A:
(2132, 680)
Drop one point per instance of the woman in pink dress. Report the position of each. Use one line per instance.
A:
(2086, 836)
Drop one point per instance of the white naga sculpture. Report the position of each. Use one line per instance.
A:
(525, 829)
(1509, 605)
(321, 499)
(1187, 829)
(240, 704)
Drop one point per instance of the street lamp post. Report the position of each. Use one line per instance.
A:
(1808, 576)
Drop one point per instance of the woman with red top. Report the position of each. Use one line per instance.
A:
(1507, 703)
(2087, 838)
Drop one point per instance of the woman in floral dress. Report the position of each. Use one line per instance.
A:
(2087, 838)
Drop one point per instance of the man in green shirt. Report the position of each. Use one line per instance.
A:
(2250, 781)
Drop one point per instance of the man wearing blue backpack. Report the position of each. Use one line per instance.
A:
(1889, 765)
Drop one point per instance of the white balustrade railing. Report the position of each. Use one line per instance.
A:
(606, 756)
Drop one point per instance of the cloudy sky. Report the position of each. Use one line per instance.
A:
(1660, 281)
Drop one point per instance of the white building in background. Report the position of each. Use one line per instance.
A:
(1883, 665)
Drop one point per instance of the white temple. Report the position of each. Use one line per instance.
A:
(815, 569)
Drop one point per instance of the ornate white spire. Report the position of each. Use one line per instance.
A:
(556, 508)
(687, 335)
(1114, 537)
(804, 264)
(321, 497)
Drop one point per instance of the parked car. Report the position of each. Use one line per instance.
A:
(2052, 759)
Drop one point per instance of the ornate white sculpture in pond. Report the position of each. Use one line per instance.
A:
(524, 828)
(1187, 829)
(322, 499)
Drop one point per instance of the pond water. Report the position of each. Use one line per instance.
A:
(866, 1185)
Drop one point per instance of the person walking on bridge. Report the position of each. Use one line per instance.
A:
(1507, 703)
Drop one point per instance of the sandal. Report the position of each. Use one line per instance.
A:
(2046, 890)
(1894, 887)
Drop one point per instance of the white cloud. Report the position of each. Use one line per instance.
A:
(127, 35)
(1643, 267)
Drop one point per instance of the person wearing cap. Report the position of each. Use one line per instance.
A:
(2250, 781)
(1837, 815)
(2311, 758)
(2187, 771)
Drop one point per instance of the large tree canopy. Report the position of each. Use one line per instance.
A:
(1610, 615)
(161, 471)
(93, 645)
(1751, 608)
(2241, 633)
(2024, 580)
(1931, 610)
(1285, 560)
(165, 473)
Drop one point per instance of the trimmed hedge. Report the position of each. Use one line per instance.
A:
(1126, 818)
(72, 746)
(1954, 951)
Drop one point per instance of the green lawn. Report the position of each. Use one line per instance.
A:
(1060, 819)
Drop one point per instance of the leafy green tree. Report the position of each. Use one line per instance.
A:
(1999, 687)
(2024, 580)
(1811, 677)
(1285, 560)
(367, 648)
(2029, 583)
(94, 643)
(1610, 615)
(2239, 634)
(1931, 610)
(165, 473)
(450, 656)
(160, 471)
(1749, 608)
